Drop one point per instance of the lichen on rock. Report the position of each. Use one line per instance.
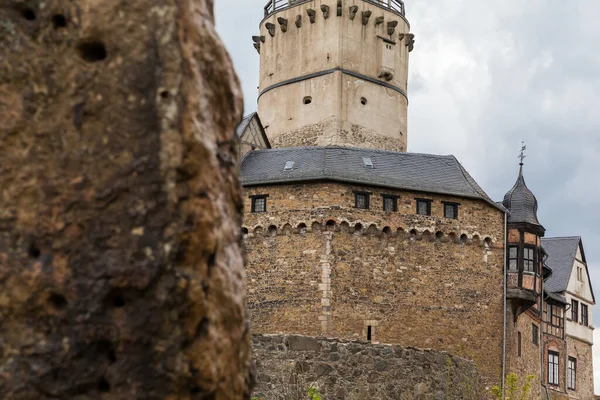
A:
(121, 274)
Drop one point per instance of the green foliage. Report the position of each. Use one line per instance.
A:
(512, 389)
(313, 393)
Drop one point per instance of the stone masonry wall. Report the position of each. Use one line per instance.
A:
(582, 352)
(332, 131)
(319, 267)
(529, 362)
(351, 370)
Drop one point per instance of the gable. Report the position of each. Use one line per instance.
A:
(252, 135)
(579, 282)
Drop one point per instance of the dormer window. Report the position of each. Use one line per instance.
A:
(368, 162)
(289, 166)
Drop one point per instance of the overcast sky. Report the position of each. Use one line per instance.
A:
(484, 76)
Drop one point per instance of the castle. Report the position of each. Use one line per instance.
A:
(349, 236)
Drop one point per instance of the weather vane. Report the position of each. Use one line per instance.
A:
(522, 155)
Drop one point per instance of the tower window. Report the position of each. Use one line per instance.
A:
(513, 258)
(553, 368)
(423, 207)
(519, 344)
(535, 334)
(451, 210)
(574, 310)
(259, 203)
(369, 333)
(529, 260)
(361, 200)
(572, 373)
(307, 100)
(584, 314)
(390, 203)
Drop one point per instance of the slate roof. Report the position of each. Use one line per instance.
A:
(521, 203)
(410, 171)
(556, 297)
(561, 256)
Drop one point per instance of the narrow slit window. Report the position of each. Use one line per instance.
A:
(553, 368)
(535, 334)
(369, 333)
(519, 344)
(513, 258)
(572, 373)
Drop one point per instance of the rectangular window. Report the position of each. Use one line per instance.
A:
(451, 210)
(580, 274)
(390, 203)
(423, 207)
(535, 334)
(575, 310)
(513, 258)
(553, 368)
(369, 333)
(361, 200)
(259, 204)
(529, 260)
(572, 373)
(519, 344)
(584, 314)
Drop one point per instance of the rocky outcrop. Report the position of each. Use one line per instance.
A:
(121, 275)
(289, 366)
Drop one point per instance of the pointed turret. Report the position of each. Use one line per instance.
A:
(522, 205)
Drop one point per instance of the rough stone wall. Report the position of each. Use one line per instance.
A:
(345, 370)
(529, 362)
(559, 345)
(584, 385)
(335, 270)
(121, 275)
(332, 131)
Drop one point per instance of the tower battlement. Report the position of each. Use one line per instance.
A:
(334, 72)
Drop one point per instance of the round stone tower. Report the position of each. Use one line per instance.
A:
(334, 72)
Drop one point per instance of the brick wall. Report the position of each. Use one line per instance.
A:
(409, 277)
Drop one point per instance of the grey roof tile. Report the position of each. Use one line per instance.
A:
(521, 203)
(561, 256)
(411, 171)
